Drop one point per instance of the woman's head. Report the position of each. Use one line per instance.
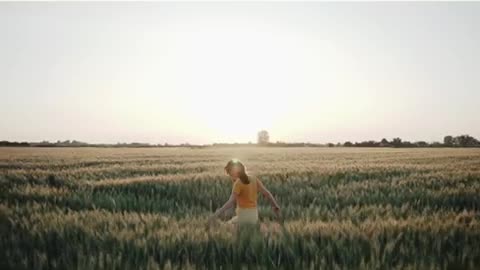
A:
(236, 169)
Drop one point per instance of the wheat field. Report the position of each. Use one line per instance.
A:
(147, 208)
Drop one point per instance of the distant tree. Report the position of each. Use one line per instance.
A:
(263, 137)
(436, 144)
(330, 144)
(448, 140)
(367, 144)
(373, 144)
(465, 141)
(421, 144)
(7, 143)
(348, 144)
(397, 142)
(408, 144)
(384, 142)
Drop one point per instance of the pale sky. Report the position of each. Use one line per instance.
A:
(220, 72)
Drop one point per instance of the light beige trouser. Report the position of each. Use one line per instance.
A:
(245, 216)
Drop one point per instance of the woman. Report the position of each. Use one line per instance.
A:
(244, 194)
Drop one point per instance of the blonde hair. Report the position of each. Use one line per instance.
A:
(243, 169)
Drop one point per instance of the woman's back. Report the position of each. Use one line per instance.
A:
(246, 193)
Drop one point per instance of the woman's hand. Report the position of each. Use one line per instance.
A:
(276, 210)
(212, 219)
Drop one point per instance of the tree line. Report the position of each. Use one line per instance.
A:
(448, 141)
(75, 143)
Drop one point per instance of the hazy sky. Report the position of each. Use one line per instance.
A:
(220, 72)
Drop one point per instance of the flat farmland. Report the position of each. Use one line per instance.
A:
(147, 208)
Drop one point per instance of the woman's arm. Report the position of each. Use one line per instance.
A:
(266, 193)
(230, 203)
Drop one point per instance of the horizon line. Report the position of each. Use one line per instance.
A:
(74, 141)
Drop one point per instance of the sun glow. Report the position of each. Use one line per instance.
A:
(240, 78)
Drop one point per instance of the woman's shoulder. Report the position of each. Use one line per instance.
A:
(253, 176)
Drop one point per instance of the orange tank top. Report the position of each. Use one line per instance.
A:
(246, 193)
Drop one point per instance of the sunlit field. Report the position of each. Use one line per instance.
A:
(147, 208)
